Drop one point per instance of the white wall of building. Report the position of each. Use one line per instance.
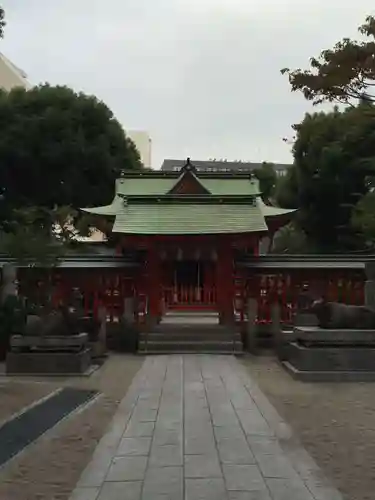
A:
(143, 142)
(11, 76)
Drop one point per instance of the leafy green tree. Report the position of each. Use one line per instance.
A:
(267, 179)
(2, 22)
(59, 151)
(334, 161)
(60, 148)
(340, 74)
(363, 218)
(292, 240)
(286, 190)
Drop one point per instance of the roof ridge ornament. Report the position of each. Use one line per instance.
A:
(189, 167)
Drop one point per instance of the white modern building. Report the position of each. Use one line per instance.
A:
(11, 76)
(223, 165)
(143, 142)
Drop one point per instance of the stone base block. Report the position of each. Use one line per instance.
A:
(53, 342)
(48, 363)
(315, 335)
(343, 358)
(329, 376)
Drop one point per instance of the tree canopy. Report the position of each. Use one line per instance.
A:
(59, 151)
(334, 162)
(267, 179)
(60, 148)
(340, 74)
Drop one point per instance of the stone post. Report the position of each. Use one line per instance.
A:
(276, 329)
(370, 284)
(9, 284)
(102, 335)
(251, 326)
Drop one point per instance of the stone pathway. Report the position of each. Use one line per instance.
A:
(196, 427)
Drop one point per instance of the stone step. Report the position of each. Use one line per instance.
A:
(176, 336)
(190, 346)
(191, 328)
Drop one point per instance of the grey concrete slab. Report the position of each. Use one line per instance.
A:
(85, 494)
(202, 466)
(249, 495)
(134, 446)
(167, 455)
(129, 490)
(277, 466)
(127, 469)
(235, 451)
(243, 478)
(205, 489)
(285, 489)
(198, 427)
(167, 481)
(139, 429)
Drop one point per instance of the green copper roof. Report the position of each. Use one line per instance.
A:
(133, 186)
(176, 218)
(269, 211)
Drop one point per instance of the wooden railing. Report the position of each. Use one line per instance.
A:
(287, 288)
(189, 297)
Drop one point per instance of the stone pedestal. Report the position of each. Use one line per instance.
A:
(48, 363)
(53, 355)
(317, 354)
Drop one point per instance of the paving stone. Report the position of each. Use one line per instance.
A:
(199, 446)
(134, 446)
(264, 445)
(127, 469)
(235, 451)
(218, 444)
(85, 494)
(253, 422)
(250, 495)
(139, 429)
(128, 490)
(276, 465)
(205, 489)
(224, 418)
(145, 415)
(167, 481)
(168, 437)
(285, 489)
(229, 431)
(168, 455)
(202, 466)
(243, 478)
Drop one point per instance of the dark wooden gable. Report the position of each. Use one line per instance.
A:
(188, 183)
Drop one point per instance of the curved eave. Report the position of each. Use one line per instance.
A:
(108, 210)
(270, 212)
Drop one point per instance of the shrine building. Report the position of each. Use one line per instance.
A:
(190, 230)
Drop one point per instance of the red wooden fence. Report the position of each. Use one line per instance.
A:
(111, 286)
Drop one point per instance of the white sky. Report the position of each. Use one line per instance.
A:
(202, 76)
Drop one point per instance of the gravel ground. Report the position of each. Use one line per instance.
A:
(335, 423)
(16, 395)
(50, 468)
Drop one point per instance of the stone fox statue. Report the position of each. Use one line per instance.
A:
(334, 315)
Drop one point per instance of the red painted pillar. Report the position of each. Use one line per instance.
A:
(225, 281)
(153, 283)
